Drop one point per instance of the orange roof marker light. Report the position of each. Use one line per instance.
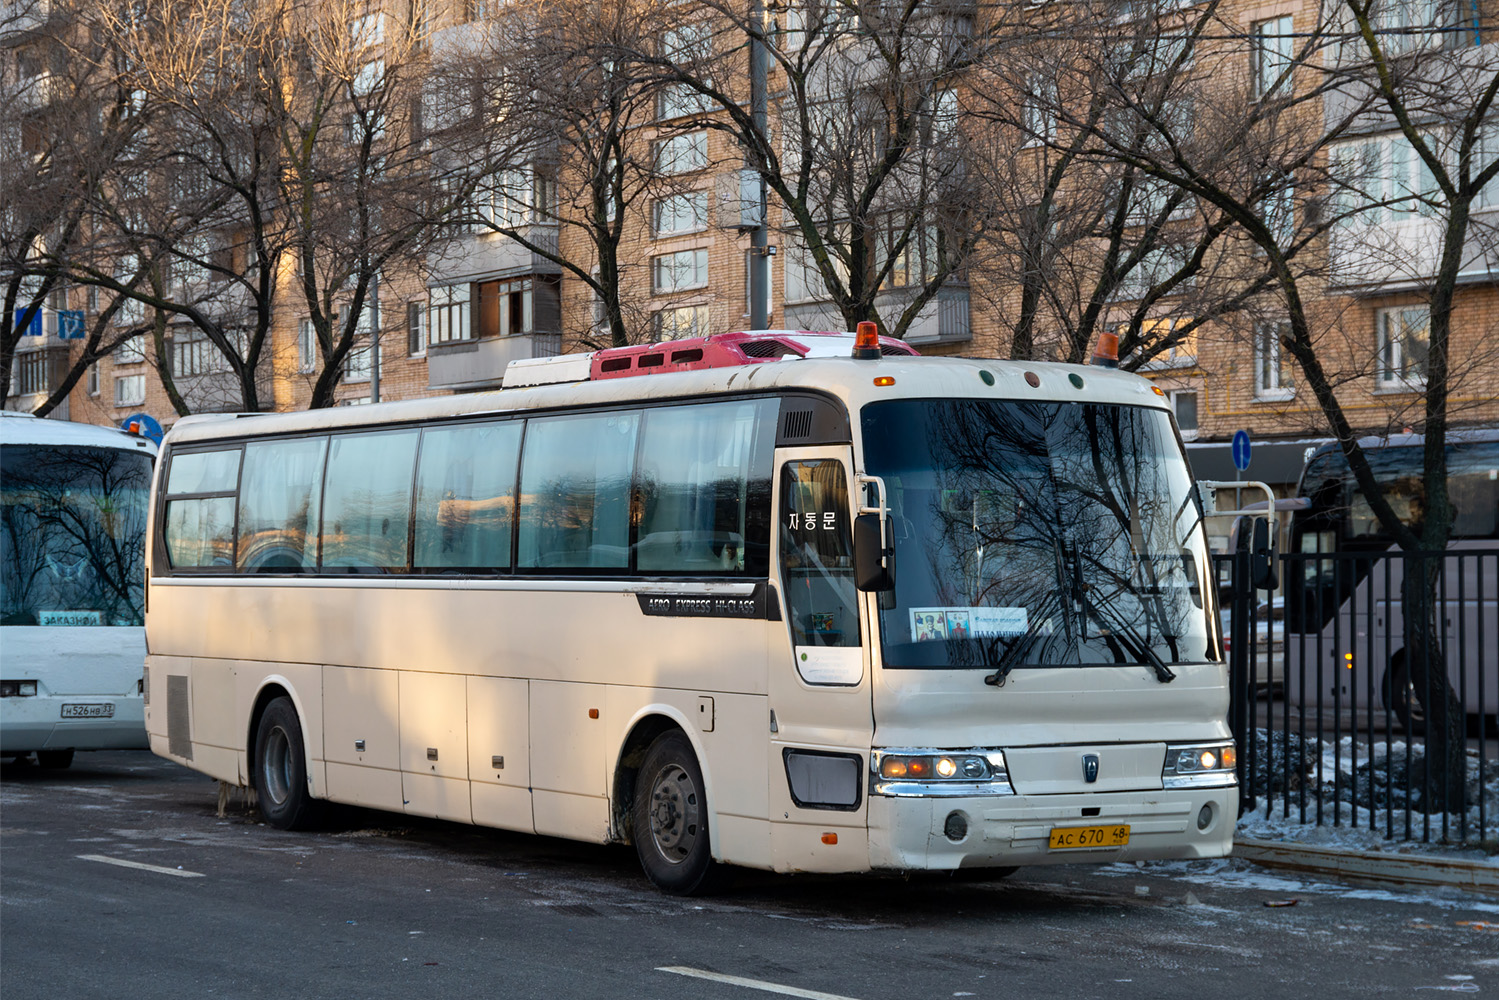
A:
(867, 341)
(1106, 354)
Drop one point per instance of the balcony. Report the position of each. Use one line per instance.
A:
(944, 320)
(473, 365)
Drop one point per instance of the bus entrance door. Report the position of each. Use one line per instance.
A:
(821, 721)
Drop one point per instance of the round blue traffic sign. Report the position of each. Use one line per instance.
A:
(1241, 450)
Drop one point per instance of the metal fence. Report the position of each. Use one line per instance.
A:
(1366, 690)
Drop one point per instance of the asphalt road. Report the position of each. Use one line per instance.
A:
(379, 905)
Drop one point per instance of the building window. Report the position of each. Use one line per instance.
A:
(93, 379)
(504, 308)
(1271, 379)
(1038, 117)
(356, 367)
(677, 100)
(33, 371)
(307, 351)
(675, 272)
(130, 390)
(680, 323)
(1380, 180)
(1184, 405)
(416, 329)
(448, 318)
(1404, 340)
(1272, 53)
(682, 154)
(132, 351)
(196, 355)
(1176, 346)
(680, 213)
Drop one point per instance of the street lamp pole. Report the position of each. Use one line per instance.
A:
(759, 268)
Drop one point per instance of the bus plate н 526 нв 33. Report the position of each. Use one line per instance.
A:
(105, 711)
(1067, 837)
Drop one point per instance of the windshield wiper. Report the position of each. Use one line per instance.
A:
(1119, 629)
(1131, 640)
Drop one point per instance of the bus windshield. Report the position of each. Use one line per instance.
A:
(72, 535)
(1038, 535)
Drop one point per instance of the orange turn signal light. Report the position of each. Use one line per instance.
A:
(830, 838)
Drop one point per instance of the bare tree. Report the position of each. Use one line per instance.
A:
(862, 152)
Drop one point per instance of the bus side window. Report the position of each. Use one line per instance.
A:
(279, 498)
(367, 501)
(575, 491)
(700, 485)
(199, 529)
(465, 496)
(817, 565)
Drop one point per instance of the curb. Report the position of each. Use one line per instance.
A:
(1423, 871)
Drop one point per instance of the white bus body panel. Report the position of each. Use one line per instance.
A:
(1046, 720)
(103, 667)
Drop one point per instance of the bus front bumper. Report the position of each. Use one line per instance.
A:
(37, 723)
(942, 832)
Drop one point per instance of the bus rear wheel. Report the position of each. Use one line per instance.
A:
(669, 818)
(279, 769)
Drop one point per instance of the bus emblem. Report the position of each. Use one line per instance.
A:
(1090, 767)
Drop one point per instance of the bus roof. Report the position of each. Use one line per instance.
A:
(848, 379)
(1455, 436)
(23, 428)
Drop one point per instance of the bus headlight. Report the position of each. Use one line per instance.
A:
(938, 772)
(17, 689)
(1199, 765)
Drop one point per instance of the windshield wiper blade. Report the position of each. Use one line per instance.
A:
(1131, 640)
(1118, 627)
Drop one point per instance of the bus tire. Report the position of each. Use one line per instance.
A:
(1402, 698)
(54, 759)
(669, 818)
(278, 769)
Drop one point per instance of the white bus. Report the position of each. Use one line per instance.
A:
(1344, 633)
(658, 609)
(73, 502)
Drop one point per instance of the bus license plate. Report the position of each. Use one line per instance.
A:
(105, 711)
(1072, 837)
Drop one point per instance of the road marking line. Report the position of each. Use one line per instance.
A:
(751, 984)
(143, 867)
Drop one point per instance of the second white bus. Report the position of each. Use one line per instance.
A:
(813, 614)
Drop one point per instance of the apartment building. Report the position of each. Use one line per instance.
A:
(493, 290)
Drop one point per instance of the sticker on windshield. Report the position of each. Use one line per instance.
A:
(69, 618)
(928, 624)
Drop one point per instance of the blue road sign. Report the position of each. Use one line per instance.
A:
(70, 324)
(1241, 450)
(145, 425)
(32, 328)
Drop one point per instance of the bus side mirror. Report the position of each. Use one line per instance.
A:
(1262, 556)
(874, 562)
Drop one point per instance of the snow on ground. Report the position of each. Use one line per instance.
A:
(1339, 778)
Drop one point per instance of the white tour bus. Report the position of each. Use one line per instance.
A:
(72, 574)
(802, 613)
(1344, 632)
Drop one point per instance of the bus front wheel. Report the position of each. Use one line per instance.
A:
(56, 759)
(1401, 696)
(279, 768)
(669, 818)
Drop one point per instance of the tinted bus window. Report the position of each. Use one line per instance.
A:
(200, 529)
(278, 505)
(367, 501)
(704, 471)
(575, 491)
(465, 496)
